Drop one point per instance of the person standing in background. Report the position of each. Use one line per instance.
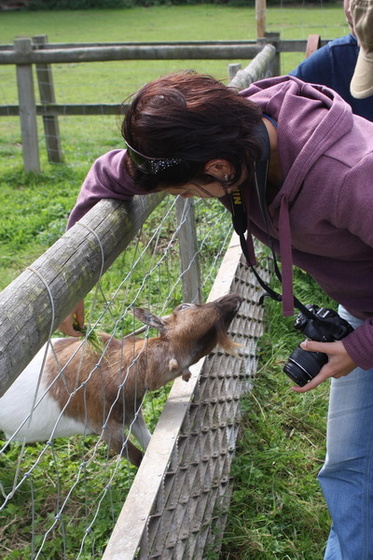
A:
(333, 65)
(361, 86)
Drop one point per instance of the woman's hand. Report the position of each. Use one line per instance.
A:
(76, 317)
(339, 362)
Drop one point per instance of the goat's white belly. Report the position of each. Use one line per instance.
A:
(45, 421)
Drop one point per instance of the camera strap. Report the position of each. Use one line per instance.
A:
(239, 219)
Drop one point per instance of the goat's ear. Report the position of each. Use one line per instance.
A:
(149, 319)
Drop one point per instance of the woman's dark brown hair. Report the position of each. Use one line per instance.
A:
(194, 118)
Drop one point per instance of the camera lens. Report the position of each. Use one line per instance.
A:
(304, 366)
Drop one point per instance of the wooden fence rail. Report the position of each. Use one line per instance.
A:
(27, 52)
(99, 52)
(130, 52)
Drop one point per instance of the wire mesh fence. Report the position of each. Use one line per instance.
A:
(61, 497)
(184, 517)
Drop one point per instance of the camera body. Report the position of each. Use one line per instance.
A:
(325, 326)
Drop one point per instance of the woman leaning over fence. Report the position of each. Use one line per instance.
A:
(191, 135)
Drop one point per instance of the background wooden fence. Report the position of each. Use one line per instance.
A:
(26, 53)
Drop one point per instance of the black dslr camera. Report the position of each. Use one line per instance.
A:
(325, 326)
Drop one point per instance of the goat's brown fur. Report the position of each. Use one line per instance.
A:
(117, 381)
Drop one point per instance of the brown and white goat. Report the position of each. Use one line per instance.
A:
(82, 392)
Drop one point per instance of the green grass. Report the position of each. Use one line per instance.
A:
(172, 23)
(33, 214)
(277, 509)
(163, 23)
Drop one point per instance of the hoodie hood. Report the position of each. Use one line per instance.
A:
(311, 119)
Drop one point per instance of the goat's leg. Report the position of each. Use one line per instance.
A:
(132, 453)
(120, 444)
(140, 430)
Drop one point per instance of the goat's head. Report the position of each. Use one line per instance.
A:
(193, 330)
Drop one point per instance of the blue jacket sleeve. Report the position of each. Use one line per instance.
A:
(316, 69)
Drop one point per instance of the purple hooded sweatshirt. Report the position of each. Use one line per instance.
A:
(321, 220)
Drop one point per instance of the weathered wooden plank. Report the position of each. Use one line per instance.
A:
(55, 109)
(47, 95)
(255, 70)
(27, 111)
(188, 247)
(284, 45)
(133, 52)
(233, 69)
(36, 302)
(260, 16)
(54, 46)
(273, 38)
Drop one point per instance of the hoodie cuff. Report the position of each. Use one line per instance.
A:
(359, 345)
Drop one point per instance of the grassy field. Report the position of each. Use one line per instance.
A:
(173, 23)
(277, 509)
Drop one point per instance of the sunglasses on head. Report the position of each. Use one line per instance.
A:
(148, 165)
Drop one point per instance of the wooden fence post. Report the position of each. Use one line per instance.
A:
(233, 69)
(260, 15)
(47, 95)
(273, 38)
(260, 67)
(27, 109)
(188, 247)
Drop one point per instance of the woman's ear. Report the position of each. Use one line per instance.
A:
(219, 168)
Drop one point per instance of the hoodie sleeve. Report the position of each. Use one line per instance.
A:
(107, 178)
(354, 212)
(359, 345)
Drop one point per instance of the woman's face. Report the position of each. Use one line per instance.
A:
(215, 189)
(211, 190)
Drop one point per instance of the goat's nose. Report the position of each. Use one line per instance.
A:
(231, 299)
(238, 302)
(236, 298)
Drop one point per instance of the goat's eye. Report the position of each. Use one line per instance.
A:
(185, 306)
